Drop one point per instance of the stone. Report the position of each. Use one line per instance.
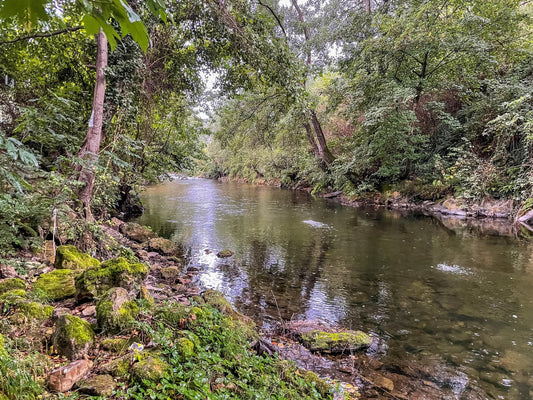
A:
(224, 254)
(384, 383)
(64, 378)
(73, 337)
(116, 345)
(9, 284)
(152, 368)
(119, 367)
(136, 232)
(31, 310)
(116, 311)
(13, 294)
(115, 223)
(118, 272)
(69, 257)
(7, 271)
(56, 285)
(144, 294)
(162, 246)
(170, 272)
(89, 311)
(97, 385)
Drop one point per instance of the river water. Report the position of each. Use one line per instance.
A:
(427, 291)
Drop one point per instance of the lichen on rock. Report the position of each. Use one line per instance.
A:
(118, 272)
(11, 284)
(69, 257)
(116, 311)
(56, 285)
(73, 337)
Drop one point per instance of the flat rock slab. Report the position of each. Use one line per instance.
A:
(64, 378)
(318, 336)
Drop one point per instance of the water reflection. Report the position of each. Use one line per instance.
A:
(432, 288)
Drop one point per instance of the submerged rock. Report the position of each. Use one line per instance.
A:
(116, 311)
(73, 337)
(118, 272)
(224, 253)
(136, 232)
(56, 285)
(69, 257)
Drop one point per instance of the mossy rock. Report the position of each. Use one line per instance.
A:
(97, 385)
(152, 368)
(32, 310)
(162, 246)
(115, 311)
(224, 253)
(13, 295)
(185, 347)
(136, 232)
(56, 285)
(9, 284)
(145, 295)
(170, 272)
(69, 257)
(119, 367)
(73, 337)
(245, 324)
(118, 345)
(336, 342)
(118, 272)
(3, 351)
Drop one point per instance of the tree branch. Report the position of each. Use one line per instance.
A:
(275, 16)
(42, 35)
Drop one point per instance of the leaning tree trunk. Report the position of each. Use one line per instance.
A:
(89, 152)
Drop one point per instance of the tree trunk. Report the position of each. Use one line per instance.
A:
(323, 150)
(311, 139)
(89, 152)
(367, 6)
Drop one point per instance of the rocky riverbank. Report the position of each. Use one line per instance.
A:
(137, 326)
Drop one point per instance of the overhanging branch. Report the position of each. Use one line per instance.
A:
(42, 35)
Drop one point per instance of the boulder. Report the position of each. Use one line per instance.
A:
(73, 337)
(69, 257)
(13, 294)
(116, 311)
(144, 294)
(97, 385)
(7, 271)
(118, 272)
(29, 310)
(63, 379)
(116, 345)
(162, 246)
(170, 272)
(56, 285)
(136, 232)
(9, 284)
(152, 368)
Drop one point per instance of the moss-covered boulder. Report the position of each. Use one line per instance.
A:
(119, 367)
(97, 385)
(336, 342)
(118, 272)
(9, 284)
(152, 368)
(69, 257)
(56, 285)
(3, 351)
(116, 311)
(118, 345)
(162, 246)
(13, 295)
(185, 347)
(170, 272)
(217, 300)
(136, 232)
(73, 337)
(31, 310)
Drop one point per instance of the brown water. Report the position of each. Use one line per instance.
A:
(459, 297)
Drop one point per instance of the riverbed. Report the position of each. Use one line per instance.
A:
(427, 291)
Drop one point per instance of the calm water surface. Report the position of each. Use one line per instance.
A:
(462, 298)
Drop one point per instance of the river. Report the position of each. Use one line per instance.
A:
(427, 291)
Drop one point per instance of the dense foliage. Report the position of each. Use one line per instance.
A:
(428, 97)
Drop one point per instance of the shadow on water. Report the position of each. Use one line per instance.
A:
(458, 290)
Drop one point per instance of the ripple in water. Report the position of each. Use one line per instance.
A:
(452, 269)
